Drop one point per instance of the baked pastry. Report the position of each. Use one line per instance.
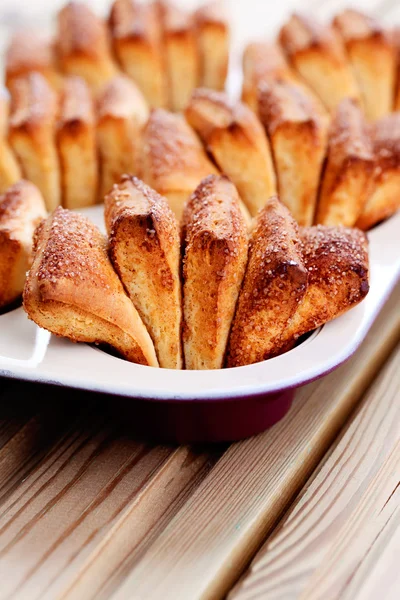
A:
(73, 291)
(215, 257)
(181, 52)
(395, 37)
(10, 171)
(318, 54)
(373, 57)
(122, 112)
(29, 50)
(274, 284)
(298, 137)
(315, 274)
(263, 61)
(213, 39)
(21, 210)
(237, 141)
(384, 200)
(77, 145)
(266, 61)
(347, 178)
(336, 259)
(173, 160)
(83, 45)
(33, 118)
(136, 37)
(144, 247)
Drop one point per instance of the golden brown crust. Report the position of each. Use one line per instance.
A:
(338, 269)
(122, 112)
(213, 39)
(237, 141)
(144, 246)
(173, 160)
(77, 145)
(263, 61)
(28, 51)
(395, 38)
(372, 55)
(384, 199)
(274, 284)
(317, 52)
(73, 291)
(347, 177)
(136, 37)
(298, 136)
(21, 210)
(83, 45)
(33, 115)
(215, 259)
(10, 171)
(182, 60)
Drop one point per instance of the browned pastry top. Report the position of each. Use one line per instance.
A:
(131, 19)
(349, 246)
(172, 144)
(77, 233)
(281, 102)
(386, 141)
(349, 134)
(131, 196)
(303, 32)
(215, 110)
(81, 31)
(33, 102)
(213, 12)
(28, 50)
(354, 24)
(122, 98)
(210, 212)
(76, 104)
(174, 19)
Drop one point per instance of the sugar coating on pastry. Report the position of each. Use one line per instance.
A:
(236, 139)
(83, 45)
(213, 38)
(266, 61)
(144, 246)
(122, 112)
(215, 257)
(337, 262)
(274, 284)
(136, 35)
(372, 55)
(31, 51)
(73, 291)
(77, 144)
(384, 199)
(181, 53)
(32, 133)
(22, 208)
(318, 54)
(347, 178)
(172, 159)
(298, 136)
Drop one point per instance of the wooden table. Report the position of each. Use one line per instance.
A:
(308, 509)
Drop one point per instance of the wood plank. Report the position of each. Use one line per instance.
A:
(207, 545)
(84, 483)
(331, 529)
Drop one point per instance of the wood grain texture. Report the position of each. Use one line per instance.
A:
(320, 548)
(68, 489)
(208, 543)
